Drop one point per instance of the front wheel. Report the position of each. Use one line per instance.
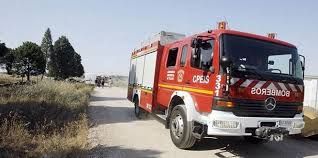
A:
(180, 128)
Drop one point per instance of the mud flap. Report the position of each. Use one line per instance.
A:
(198, 130)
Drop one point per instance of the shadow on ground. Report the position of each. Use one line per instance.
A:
(100, 115)
(101, 151)
(96, 99)
(237, 147)
(108, 112)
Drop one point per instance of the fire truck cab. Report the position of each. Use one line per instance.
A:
(219, 83)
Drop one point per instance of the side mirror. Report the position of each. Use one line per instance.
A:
(302, 65)
(302, 61)
(194, 53)
(196, 42)
(225, 62)
(270, 62)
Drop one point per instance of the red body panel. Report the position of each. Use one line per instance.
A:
(146, 100)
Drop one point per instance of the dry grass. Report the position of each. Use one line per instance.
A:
(7, 79)
(44, 119)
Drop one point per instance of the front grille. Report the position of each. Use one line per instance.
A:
(257, 109)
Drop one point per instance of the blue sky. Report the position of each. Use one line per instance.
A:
(105, 32)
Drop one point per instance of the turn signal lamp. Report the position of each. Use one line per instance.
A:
(225, 103)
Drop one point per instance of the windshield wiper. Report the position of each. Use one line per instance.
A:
(290, 77)
(250, 70)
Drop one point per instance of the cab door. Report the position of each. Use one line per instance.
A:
(184, 52)
(201, 74)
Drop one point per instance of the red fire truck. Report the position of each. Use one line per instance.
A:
(219, 83)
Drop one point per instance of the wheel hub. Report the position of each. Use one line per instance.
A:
(177, 126)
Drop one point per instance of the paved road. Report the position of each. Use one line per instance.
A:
(116, 133)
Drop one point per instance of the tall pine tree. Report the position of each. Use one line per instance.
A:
(47, 46)
(78, 67)
(64, 61)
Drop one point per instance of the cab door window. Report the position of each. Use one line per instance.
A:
(202, 55)
(183, 55)
(172, 57)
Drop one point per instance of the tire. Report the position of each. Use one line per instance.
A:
(139, 112)
(180, 128)
(255, 140)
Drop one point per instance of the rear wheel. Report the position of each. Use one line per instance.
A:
(180, 128)
(255, 140)
(139, 112)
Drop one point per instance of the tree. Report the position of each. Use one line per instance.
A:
(9, 59)
(6, 57)
(47, 47)
(78, 67)
(64, 61)
(3, 51)
(29, 59)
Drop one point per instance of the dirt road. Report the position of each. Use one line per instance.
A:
(116, 133)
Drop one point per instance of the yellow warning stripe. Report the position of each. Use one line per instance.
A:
(146, 90)
(203, 91)
(196, 90)
(170, 86)
(142, 89)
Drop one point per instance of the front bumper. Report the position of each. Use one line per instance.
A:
(222, 123)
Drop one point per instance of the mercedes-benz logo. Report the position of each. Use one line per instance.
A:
(270, 103)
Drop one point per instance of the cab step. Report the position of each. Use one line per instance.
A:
(161, 116)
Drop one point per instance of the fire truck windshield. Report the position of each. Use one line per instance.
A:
(261, 56)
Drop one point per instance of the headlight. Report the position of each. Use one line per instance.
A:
(299, 125)
(225, 124)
